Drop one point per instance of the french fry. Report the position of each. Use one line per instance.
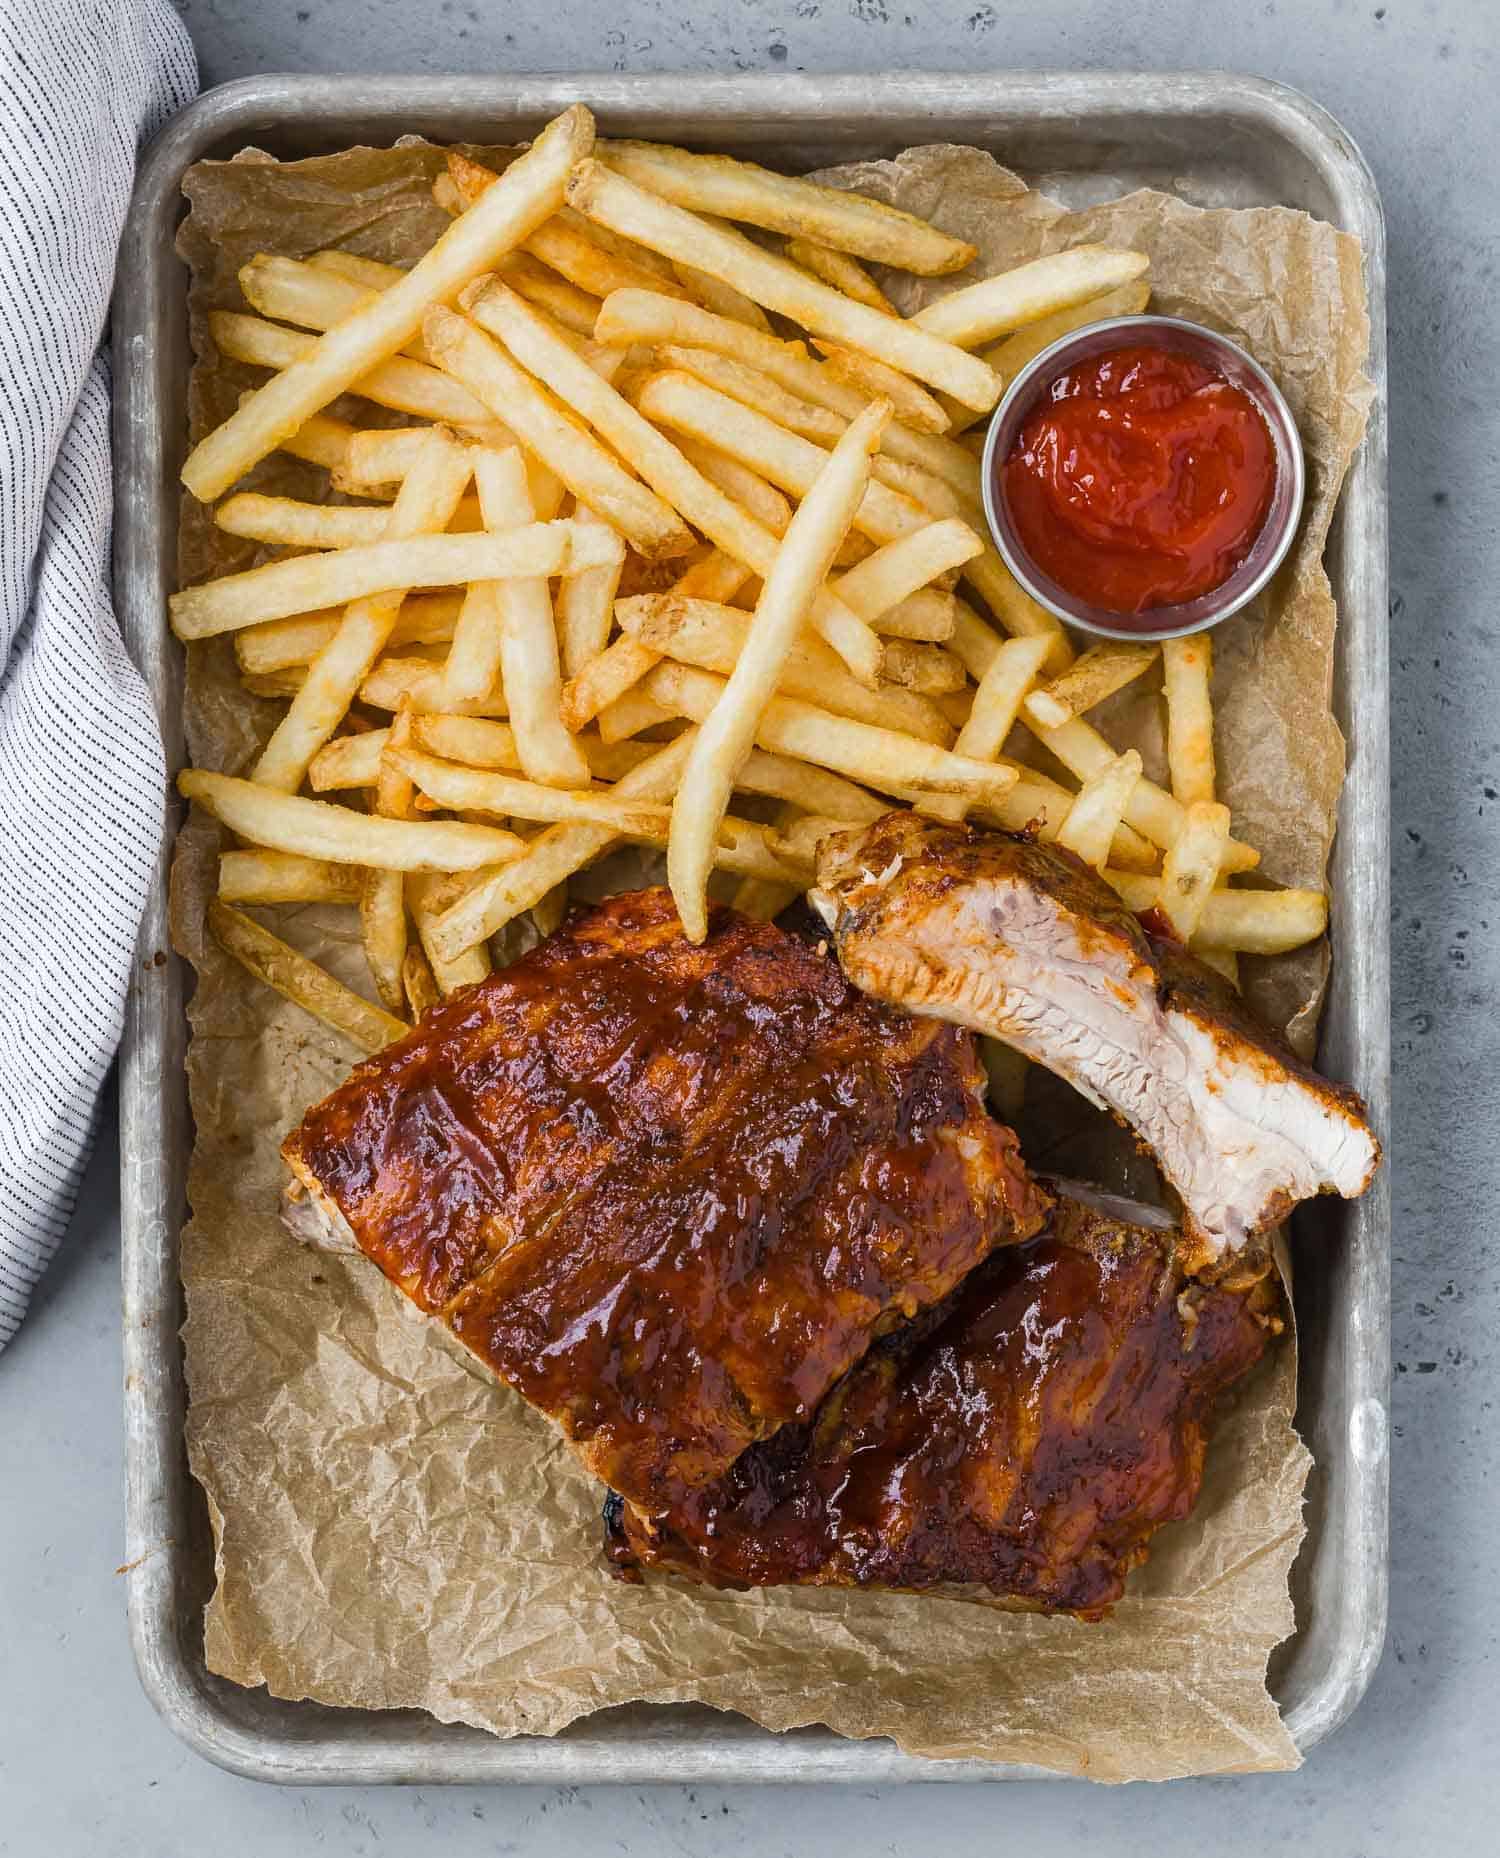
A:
(424, 619)
(730, 189)
(631, 713)
(285, 521)
(395, 680)
(713, 637)
(605, 679)
(527, 194)
(427, 501)
(728, 734)
(1247, 922)
(762, 900)
(992, 715)
(525, 650)
(555, 433)
(663, 466)
(291, 291)
(916, 407)
(1191, 867)
(644, 316)
(876, 757)
(377, 461)
(610, 199)
(924, 615)
(1095, 814)
(926, 669)
(347, 761)
(547, 912)
(302, 981)
(1187, 669)
(807, 789)
(585, 605)
(1017, 351)
(404, 385)
(1098, 674)
(748, 488)
(799, 842)
(370, 272)
(283, 877)
(550, 859)
(382, 926)
(565, 303)
(1040, 805)
(281, 588)
(457, 787)
(1152, 811)
(753, 387)
(464, 970)
(1223, 961)
(316, 829)
(980, 312)
(723, 299)
(418, 982)
(687, 405)
(976, 643)
(321, 440)
(841, 271)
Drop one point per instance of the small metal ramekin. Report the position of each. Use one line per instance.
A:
(1270, 546)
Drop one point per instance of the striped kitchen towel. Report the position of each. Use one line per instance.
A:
(83, 83)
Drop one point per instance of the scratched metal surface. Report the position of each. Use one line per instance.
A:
(1217, 140)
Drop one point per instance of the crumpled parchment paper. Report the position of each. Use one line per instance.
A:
(395, 1531)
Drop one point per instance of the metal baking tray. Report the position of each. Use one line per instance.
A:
(1216, 139)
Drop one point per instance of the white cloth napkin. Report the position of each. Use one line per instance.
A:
(83, 83)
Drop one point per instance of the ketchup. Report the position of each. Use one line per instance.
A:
(1141, 480)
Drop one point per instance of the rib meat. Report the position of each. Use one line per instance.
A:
(668, 1193)
(1029, 1437)
(1020, 940)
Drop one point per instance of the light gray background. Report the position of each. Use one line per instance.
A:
(84, 1765)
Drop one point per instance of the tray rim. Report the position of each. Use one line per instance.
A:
(417, 1749)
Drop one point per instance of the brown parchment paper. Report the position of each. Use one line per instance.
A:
(393, 1530)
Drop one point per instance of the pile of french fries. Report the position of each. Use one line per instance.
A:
(677, 526)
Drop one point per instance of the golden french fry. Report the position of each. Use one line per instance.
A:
(686, 404)
(306, 582)
(551, 858)
(806, 789)
(527, 194)
(382, 924)
(555, 433)
(291, 524)
(644, 316)
(548, 912)
(427, 501)
(927, 669)
(841, 271)
(1248, 922)
(754, 387)
(924, 615)
(396, 680)
(1039, 805)
(316, 829)
(631, 713)
(1187, 669)
(424, 619)
(291, 291)
(302, 981)
(992, 715)
(565, 303)
(418, 982)
(283, 877)
(370, 272)
(894, 573)
(799, 842)
(730, 189)
(464, 970)
(748, 488)
(1191, 867)
(1152, 811)
(877, 757)
(917, 408)
(1096, 812)
(663, 466)
(728, 734)
(612, 200)
(723, 299)
(979, 312)
(711, 636)
(456, 786)
(1223, 961)
(404, 385)
(320, 440)
(1017, 351)
(1099, 673)
(585, 605)
(604, 679)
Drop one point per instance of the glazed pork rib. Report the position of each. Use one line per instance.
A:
(994, 931)
(1028, 1437)
(669, 1194)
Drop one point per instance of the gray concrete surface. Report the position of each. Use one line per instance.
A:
(84, 1766)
